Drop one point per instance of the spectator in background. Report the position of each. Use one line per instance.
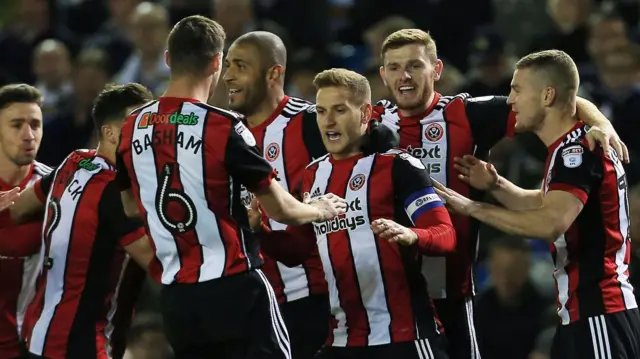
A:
(489, 64)
(113, 36)
(146, 339)
(146, 65)
(569, 33)
(607, 33)
(303, 68)
(73, 127)
(36, 20)
(52, 69)
(451, 80)
(509, 312)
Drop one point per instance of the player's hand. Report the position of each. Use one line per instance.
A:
(255, 215)
(393, 232)
(7, 197)
(477, 173)
(607, 137)
(328, 205)
(454, 201)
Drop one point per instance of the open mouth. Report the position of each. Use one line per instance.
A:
(406, 89)
(333, 135)
(234, 91)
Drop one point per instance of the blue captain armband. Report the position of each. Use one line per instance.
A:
(421, 201)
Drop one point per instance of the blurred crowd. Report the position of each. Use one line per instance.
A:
(70, 49)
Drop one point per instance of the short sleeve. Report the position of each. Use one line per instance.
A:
(122, 175)
(576, 170)
(244, 160)
(126, 229)
(311, 133)
(42, 186)
(413, 187)
(490, 119)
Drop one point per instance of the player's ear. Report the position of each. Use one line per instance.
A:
(167, 60)
(437, 69)
(549, 96)
(275, 73)
(382, 75)
(216, 63)
(367, 112)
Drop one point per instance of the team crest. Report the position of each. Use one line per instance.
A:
(357, 182)
(272, 152)
(572, 156)
(434, 132)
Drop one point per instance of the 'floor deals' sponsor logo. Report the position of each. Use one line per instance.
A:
(176, 118)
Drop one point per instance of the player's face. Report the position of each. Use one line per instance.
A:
(526, 100)
(342, 122)
(410, 74)
(245, 79)
(20, 132)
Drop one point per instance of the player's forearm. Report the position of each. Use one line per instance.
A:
(590, 114)
(291, 247)
(436, 235)
(514, 197)
(535, 223)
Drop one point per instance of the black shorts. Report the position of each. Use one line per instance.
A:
(226, 318)
(419, 349)
(609, 336)
(458, 321)
(307, 321)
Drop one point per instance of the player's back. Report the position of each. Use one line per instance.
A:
(70, 311)
(592, 257)
(186, 161)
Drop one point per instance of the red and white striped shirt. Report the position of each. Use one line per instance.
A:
(19, 265)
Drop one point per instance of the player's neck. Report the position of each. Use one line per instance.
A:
(188, 87)
(12, 174)
(266, 109)
(420, 109)
(106, 151)
(349, 152)
(555, 125)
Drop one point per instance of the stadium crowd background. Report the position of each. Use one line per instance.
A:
(70, 49)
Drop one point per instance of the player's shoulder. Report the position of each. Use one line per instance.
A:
(298, 108)
(314, 164)
(136, 111)
(402, 159)
(573, 149)
(385, 109)
(219, 113)
(41, 169)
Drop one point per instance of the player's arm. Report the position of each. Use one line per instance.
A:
(514, 197)
(432, 231)
(124, 183)
(32, 199)
(129, 232)
(246, 165)
(491, 119)
(569, 189)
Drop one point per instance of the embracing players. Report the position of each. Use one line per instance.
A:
(181, 167)
(380, 307)
(437, 129)
(582, 210)
(80, 296)
(287, 133)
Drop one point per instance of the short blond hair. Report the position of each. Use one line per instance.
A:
(357, 84)
(406, 37)
(557, 70)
